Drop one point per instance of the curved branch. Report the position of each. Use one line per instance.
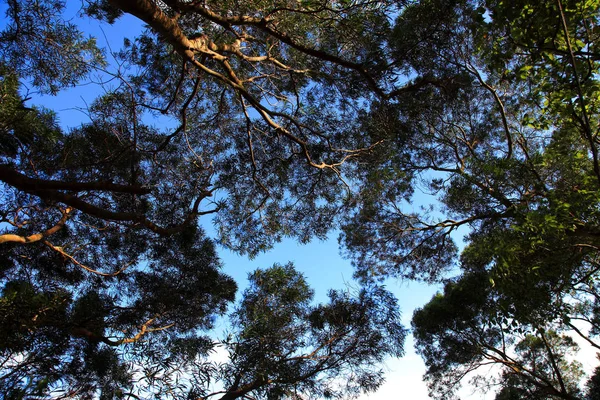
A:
(12, 238)
(583, 336)
(49, 191)
(31, 185)
(101, 213)
(144, 330)
(498, 100)
(60, 250)
(586, 121)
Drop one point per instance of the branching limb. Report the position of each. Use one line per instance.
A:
(76, 202)
(13, 238)
(498, 100)
(583, 336)
(32, 185)
(586, 121)
(144, 330)
(62, 252)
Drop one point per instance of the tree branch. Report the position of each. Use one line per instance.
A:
(22, 182)
(8, 237)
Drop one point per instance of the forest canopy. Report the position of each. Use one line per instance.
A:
(291, 119)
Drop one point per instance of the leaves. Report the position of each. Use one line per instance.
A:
(288, 120)
(286, 345)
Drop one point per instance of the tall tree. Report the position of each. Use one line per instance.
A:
(593, 385)
(108, 284)
(285, 347)
(507, 144)
(465, 329)
(284, 119)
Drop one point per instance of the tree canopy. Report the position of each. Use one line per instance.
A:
(291, 119)
(508, 147)
(109, 284)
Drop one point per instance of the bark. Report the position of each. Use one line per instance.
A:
(8, 237)
(32, 185)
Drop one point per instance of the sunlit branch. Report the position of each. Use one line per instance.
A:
(9, 237)
(62, 252)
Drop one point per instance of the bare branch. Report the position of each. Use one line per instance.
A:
(13, 238)
(33, 185)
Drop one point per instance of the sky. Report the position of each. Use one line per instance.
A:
(319, 261)
(325, 269)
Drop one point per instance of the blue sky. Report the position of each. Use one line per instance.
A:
(325, 269)
(319, 261)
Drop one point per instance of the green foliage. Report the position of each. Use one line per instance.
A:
(20, 125)
(39, 44)
(466, 328)
(289, 119)
(285, 346)
(501, 135)
(79, 320)
(108, 282)
(74, 337)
